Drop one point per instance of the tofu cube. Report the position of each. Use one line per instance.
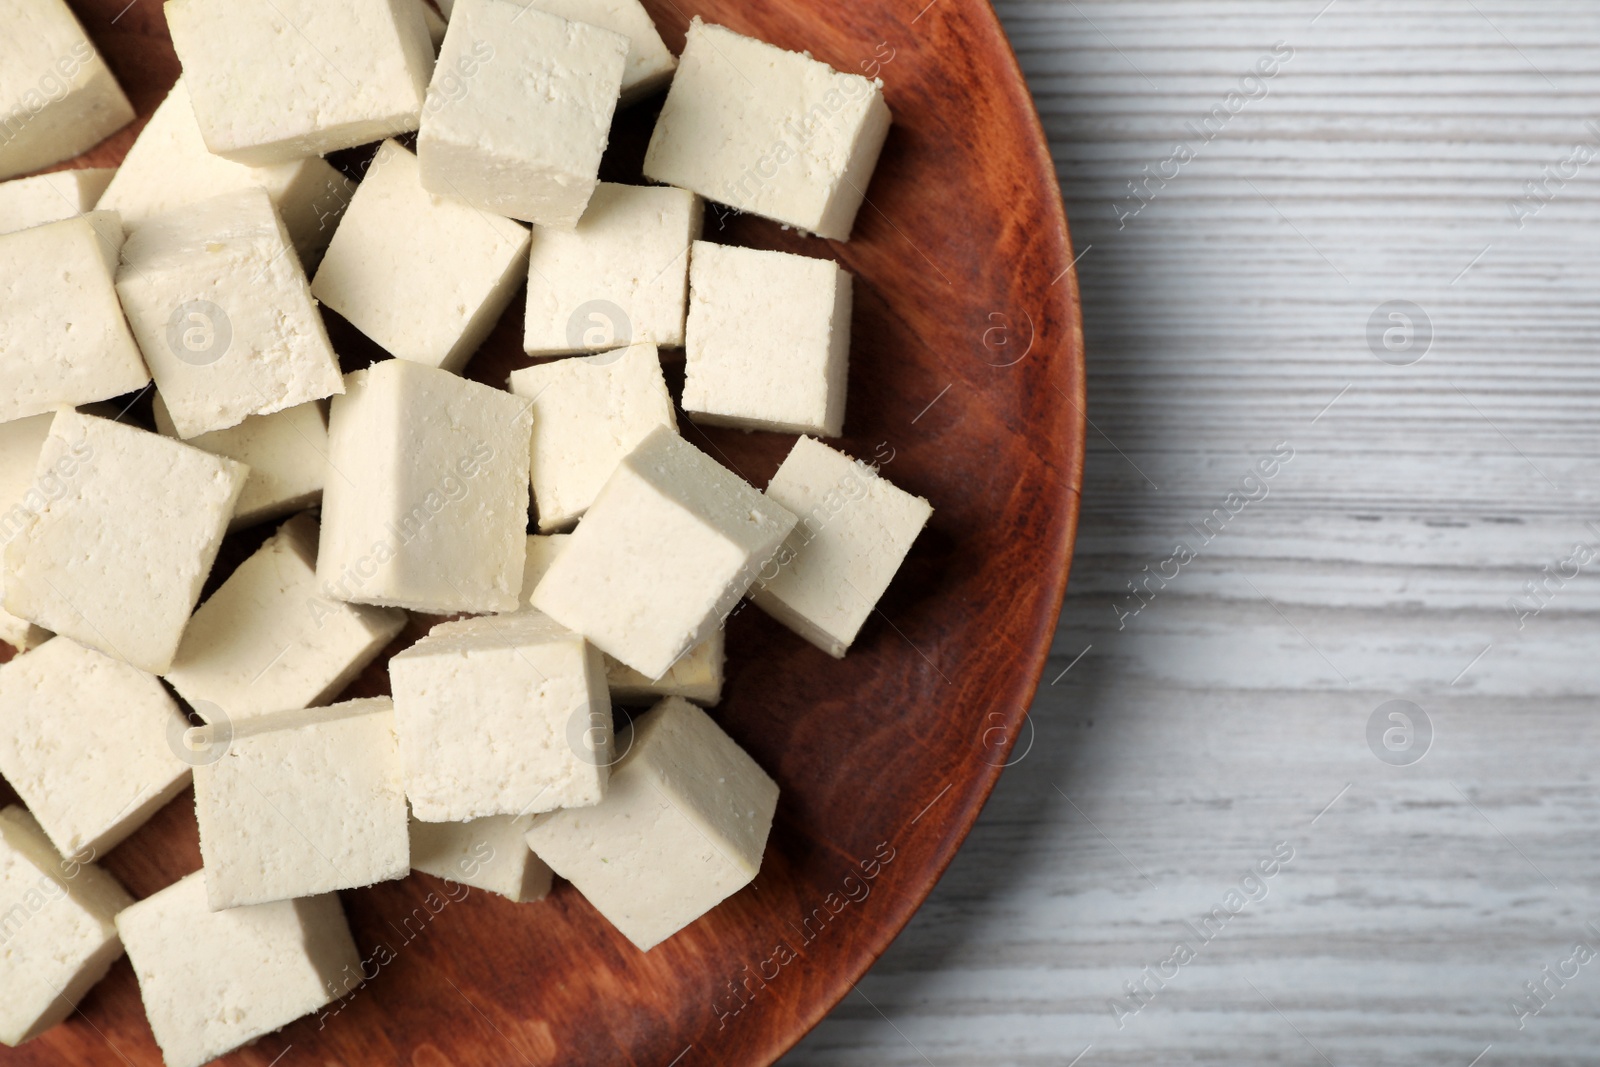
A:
(519, 111)
(169, 167)
(774, 133)
(127, 530)
(501, 716)
(301, 802)
(268, 639)
(280, 81)
(488, 854)
(588, 413)
(683, 826)
(668, 548)
(621, 277)
(223, 315)
(212, 981)
(768, 341)
(854, 532)
(63, 339)
(20, 443)
(426, 505)
(44, 198)
(58, 918)
(697, 674)
(425, 276)
(57, 96)
(88, 744)
(649, 65)
(286, 451)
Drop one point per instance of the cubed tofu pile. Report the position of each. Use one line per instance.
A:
(586, 553)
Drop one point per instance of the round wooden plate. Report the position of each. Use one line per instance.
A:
(967, 387)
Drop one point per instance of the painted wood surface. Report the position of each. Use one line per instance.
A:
(1446, 154)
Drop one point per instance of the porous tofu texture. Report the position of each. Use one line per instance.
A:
(223, 314)
(488, 854)
(501, 715)
(57, 920)
(280, 81)
(214, 980)
(768, 343)
(168, 166)
(51, 197)
(425, 276)
(127, 527)
(854, 532)
(774, 133)
(88, 744)
(620, 277)
(683, 826)
(426, 505)
(649, 64)
(301, 802)
(63, 339)
(286, 451)
(668, 548)
(588, 413)
(519, 111)
(268, 640)
(57, 96)
(20, 442)
(697, 675)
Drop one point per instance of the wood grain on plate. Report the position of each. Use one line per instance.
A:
(966, 384)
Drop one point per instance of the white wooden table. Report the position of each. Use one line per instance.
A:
(1239, 303)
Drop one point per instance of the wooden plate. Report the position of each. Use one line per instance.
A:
(967, 385)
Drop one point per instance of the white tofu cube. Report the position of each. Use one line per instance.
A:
(301, 802)
(129, 526)
(501, 716)
(63, 339)
(20, 443)
(519, 111)
(489, 854)
(588, 413)
(697, 675)
(268, 640)
(768, 340)
(854, 532)
(57, 96)
(621, 277)
(683, 826)
(280, 81)
(223, 315)
(87, 743)
(286, 451)
(425, 276)
(853, 535)
(774, 133)
(51, 197)
(426, 505)
(649, 65)
(169, 166)
(57, 926)
(212, 981)
(666, 551)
